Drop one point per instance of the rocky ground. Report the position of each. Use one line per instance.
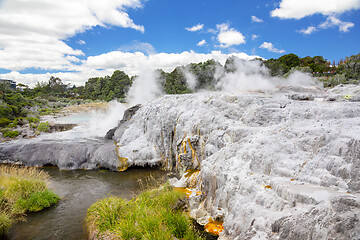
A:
(283, 164)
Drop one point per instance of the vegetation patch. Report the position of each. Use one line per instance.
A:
(22, 190)
(10, 134)
(44, 127)
(155, 214)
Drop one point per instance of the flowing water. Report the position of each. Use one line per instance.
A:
(79, 189)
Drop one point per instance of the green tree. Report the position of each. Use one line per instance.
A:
(120, 83)
(289, 61)
(175, 82)
(275, 66)
(108, 88)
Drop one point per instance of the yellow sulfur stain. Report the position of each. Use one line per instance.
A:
(183, 190)
(214, 227)
(187, 191)
(193, 153)
(348, 97)
(122, 161)
(192, 176)
(190, 172)
(182, 150)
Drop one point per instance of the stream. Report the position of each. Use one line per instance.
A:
(78, 190)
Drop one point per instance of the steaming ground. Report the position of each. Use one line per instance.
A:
(246, 76)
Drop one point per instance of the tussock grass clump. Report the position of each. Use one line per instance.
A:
(22, 190)
(151, 215)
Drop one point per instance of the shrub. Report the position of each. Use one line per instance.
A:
(32, 119)
(4, 122)
(44, 127)
(14, 123)
(11, 134)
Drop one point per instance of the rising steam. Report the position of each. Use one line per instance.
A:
(243, 76)
(144, 89)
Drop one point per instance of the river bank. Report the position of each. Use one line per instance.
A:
(78, 189)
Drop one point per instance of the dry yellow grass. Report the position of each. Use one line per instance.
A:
(12, 171)
(87, 107)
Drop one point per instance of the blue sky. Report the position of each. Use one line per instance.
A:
(78, 39)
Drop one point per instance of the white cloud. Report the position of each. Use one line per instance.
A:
(308, 30)
(131, 63)
(201, 43)
(33, 34)
(332, 21)
(270, 47)
(80, 42)
(138, 46)
(213, 31)
(300, 9)
(229, 36)
(254, 36)
(195, 28)
(256, 19)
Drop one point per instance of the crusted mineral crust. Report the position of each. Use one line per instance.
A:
(277, 165)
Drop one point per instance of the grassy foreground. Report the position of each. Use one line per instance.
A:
(152, 215)
(22, 190)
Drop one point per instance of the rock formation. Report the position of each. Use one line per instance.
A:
(275, 165)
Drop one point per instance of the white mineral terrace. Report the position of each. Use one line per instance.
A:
(276, 165)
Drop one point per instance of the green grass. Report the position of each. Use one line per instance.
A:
(151, 215)
(22, 190)
(5, 222)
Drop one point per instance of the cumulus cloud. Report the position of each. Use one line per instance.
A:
(308, 30)
(333, 21)
(195, 28)
(229, 36)
(254, 36)
(300, 9)
(270, 47)
(256, 19)
(32, 34)
(131, 63)
(201, 43)
(330, 22)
